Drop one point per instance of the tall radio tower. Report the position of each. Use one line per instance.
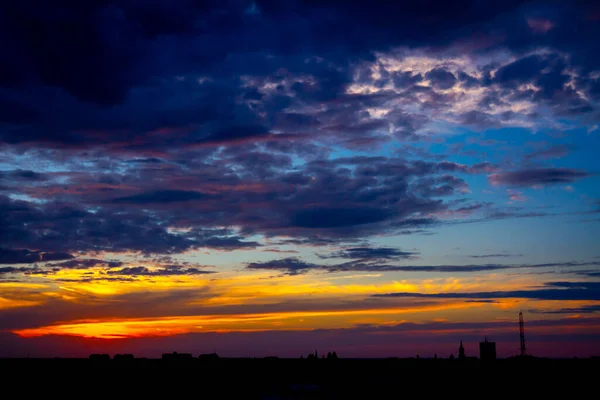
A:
(522, 334)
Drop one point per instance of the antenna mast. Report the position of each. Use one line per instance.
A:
(522, 334)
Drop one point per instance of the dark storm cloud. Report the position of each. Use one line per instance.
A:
(550, 291)
(539, 176)
(86, 37)
(137, 51)
(24, 256)
(235, 114)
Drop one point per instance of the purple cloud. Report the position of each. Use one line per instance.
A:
(24, 256)
(539, 176)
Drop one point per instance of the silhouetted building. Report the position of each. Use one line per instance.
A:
(175, 356)
(123, 357)
(314, 356)
(209, 357)
(487, 351)
(461, 352)
(99, 357)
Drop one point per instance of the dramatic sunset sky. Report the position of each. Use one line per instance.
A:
(263, 178)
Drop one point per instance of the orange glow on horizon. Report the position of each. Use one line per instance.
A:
(155, 306)
(167, 326)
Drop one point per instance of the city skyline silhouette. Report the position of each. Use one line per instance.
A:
(228, 180)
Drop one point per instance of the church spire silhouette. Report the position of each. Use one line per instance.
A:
(461, 351)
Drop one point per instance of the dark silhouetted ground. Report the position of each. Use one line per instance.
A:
(274, 378)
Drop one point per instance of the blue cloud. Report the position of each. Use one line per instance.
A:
(161, 196)
(553, 291)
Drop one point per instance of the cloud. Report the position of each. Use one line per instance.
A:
(197, 95)
(555, 151)
(188, 130)
(134, 35)
(338, 217)
(445, 185)
(280, 251)
(295, 266)
(589, 273)
(23, 175)
(228, 243)
(520, 71)
(562, 291)
(13, 270)
(172, 270)
(482, 301)
(291, 266)
(85, 263)
(85, 305)
(574, 310)
(503, 255)
(539, 176)
(540, 26)
(24, 256)
(254, 191)
(441, 78)
(371, 253)
(162, 196)
(58, 228)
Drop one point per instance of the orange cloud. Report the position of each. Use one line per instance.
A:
(166, 326)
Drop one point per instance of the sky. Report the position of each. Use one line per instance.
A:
(267, 178)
